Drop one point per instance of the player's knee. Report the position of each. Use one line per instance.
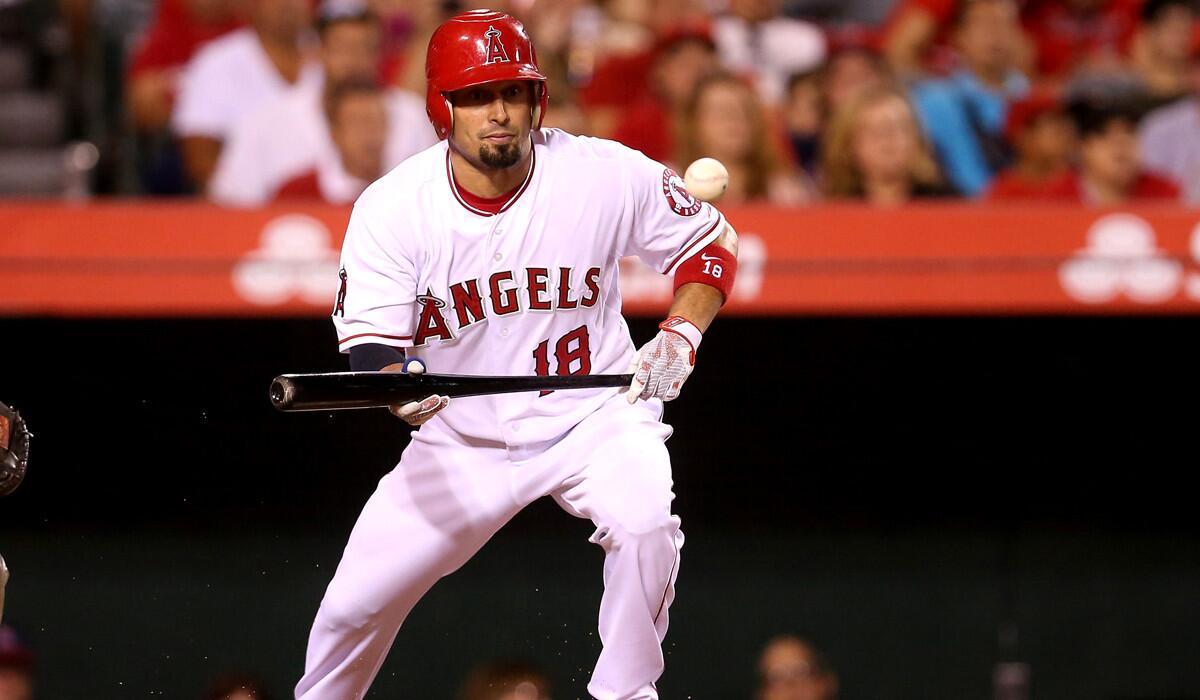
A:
(657, 531)
(344, 614)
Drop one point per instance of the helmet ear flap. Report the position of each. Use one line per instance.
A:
(438, 109)
(539, 104)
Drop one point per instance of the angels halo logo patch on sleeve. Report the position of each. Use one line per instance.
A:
(678, 198)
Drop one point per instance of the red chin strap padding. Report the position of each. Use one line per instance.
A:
(477, 47)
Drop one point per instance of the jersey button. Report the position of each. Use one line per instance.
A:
(504, 332)
(497, 257)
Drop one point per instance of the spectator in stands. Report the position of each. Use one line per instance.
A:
(804, 117)
(683, 57)
(565, 113)
(1110, 168)
(754, 39)
(236, 687)
(913, 32)
(506, 680)
(964, 114)
(628, 28)
(358, 125)
(1043, 137)
(791, 668)
(408, 26)
(1080, 35)
(874, 151)
(1162, 50)
(725, 120)
(917, 38)
(16, 666)
(1170, 142)
(613, 48)
(812, 97)
(289, 136)
(849, 72)
(179, 29)
(231, 76)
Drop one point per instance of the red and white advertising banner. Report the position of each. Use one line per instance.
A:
(159, 259)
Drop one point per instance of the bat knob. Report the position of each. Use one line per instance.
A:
(283, 393)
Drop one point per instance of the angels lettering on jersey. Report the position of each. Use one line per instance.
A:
(530, 288)
(444, 317)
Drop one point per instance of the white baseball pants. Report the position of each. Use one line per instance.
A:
(447, 497)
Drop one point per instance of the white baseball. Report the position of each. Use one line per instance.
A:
(706, 179)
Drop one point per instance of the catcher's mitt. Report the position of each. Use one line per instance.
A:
(14, 450)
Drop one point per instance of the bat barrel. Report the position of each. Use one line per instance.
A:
(283, 393)
(346, 390)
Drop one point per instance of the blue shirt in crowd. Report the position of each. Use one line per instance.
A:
(964, 121)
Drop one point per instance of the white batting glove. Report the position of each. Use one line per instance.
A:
(662, 366)
(417, 413)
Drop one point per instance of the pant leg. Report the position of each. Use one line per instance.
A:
(425, 520)
(625, 489)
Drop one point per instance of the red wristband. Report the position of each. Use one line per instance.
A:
(714, 266)
(685, 329)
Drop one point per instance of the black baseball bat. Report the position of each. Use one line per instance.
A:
(334, 391)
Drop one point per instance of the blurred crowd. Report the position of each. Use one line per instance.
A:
(789, 668)
(880, 101)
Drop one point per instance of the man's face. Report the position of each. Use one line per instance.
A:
(282, 18)
(680, 68)
(725, 122)
(848, 75)
(492, 123)
(1170, 35)
(359, 129)
(788, 672)
(754, 10)
(1111, 156)
(1049, 140)
(350, 50)
(988, 35)
(886, 139)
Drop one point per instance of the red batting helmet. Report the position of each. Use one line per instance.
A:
(477, 47)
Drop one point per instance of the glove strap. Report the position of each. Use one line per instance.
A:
(685, 328)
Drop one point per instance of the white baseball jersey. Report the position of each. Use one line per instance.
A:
(289, 135)
(529, 290)
(225, 81)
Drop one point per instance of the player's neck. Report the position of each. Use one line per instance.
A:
(488, 183)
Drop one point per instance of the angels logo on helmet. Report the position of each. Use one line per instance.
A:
(462, 54)
(495, 47)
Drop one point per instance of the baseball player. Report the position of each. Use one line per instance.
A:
(495, 252)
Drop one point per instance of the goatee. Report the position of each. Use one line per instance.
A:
(501, 156)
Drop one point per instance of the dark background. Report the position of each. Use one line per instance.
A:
(923, 498)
